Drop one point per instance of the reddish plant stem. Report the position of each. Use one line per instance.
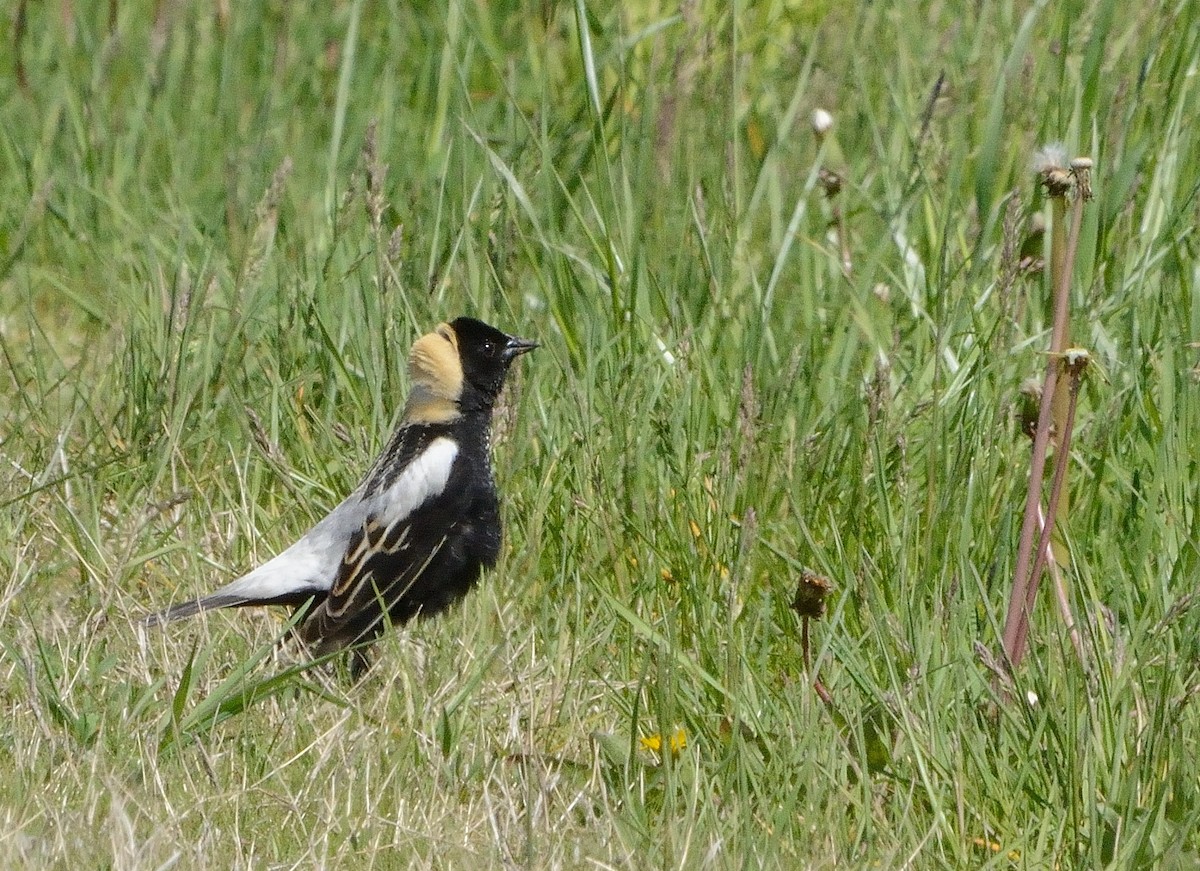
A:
(1061, 461)
(1041, 442)
(822, 692)
(1025, 582)
(1033, 497)
(1064, 604)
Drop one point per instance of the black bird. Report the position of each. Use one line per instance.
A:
(423, 525)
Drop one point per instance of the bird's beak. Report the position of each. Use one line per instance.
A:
(516, 347)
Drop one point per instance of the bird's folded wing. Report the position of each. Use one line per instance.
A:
(359, 583)
(374, 516)
(381, 559)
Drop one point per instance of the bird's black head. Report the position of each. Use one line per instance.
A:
(459, 368)
(485, 354)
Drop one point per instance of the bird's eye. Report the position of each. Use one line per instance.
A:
(489, 349)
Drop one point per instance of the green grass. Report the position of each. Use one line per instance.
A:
(210, 273)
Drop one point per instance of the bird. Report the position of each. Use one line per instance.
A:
(420, 529)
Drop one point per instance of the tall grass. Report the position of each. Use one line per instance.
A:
(220, 229)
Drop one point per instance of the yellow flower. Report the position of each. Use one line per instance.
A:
(675, 742)
(993, 847)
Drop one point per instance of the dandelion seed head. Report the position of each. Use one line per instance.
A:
(822, 121)
(1050, 156)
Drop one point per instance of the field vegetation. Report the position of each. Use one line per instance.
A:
(768, 348)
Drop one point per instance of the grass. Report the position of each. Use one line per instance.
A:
(221, 229)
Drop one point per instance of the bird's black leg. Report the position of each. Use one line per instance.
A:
(360, 663)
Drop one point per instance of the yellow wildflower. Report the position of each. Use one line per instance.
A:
(675, 743)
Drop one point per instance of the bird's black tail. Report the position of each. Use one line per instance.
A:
(195, 606)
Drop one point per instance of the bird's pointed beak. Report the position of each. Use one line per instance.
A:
(516, 347)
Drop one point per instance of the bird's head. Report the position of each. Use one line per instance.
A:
(459, 367)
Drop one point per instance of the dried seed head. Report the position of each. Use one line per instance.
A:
(266, 219)
(376, 176)
(1029, 406)
(822, 122)
(1057, 182)
(1050, 162)
(1076, 360)
(830, 182)
(1051, 156)
(1081, 168)
(810, 595)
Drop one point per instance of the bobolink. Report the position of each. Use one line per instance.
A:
(423, 525)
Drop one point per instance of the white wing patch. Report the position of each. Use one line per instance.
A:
(303, 567)
(311, 564)
(425, 477)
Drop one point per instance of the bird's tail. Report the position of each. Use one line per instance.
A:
(279, 582)
(219, 599)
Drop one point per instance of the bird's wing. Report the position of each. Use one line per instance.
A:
(381, 565)
(383, 556)
(304, 570)
(414, 467)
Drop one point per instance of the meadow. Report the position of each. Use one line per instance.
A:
(767, 349)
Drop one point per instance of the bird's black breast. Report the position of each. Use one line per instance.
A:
(452, 539)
